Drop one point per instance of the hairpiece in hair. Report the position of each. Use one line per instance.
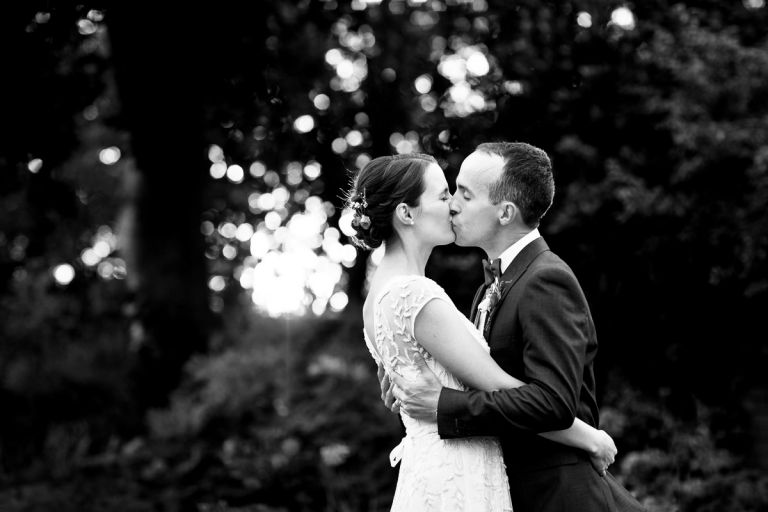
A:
(360, 219)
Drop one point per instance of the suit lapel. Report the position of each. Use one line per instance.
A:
(515, 270)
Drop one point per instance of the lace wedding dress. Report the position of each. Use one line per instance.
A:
(435, 474)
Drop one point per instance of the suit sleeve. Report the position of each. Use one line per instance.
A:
(553, 315)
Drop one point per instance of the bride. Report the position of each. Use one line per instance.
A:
(403, 201)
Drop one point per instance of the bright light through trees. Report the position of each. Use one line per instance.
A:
(35, 165)
(623, 18)
(584, 19)
(285, 220)
(109, 156)
(461, 68)
(64, 273)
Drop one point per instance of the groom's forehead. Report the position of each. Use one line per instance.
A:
(479, 168)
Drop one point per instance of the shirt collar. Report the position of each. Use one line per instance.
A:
(513, 250)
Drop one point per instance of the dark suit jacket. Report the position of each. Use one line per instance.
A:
(541, 332)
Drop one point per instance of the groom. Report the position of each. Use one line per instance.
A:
(536, 320)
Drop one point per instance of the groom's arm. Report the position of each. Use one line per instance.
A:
(554, 314)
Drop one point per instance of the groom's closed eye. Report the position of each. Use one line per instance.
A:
(464, 192)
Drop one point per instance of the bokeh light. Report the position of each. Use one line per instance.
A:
(467, 63)
(86, 27)
(35, 165)
(109, 156)
(423, 84)
(304, 124)
(99, 255)
(227, 230)
(339, 301)
(272, 220)
(257, 169)
(362, 159)
(217, 283)
(339, 145)
(90, 257)
(345, 222)
(265, 201)
(513, 87)
(271, 179)
(312, 170)
(102, 249)
(321, 102)
(105, 269)
(218, 170)
(623, 18)
(354, 138)
(64, 273)
(235, 173)
(584, 19)
(244, 232)
(286, 273)
(215, 154)
(477, 64)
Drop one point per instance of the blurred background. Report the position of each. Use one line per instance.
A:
(180, 305)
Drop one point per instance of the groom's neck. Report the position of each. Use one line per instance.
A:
(503, 241)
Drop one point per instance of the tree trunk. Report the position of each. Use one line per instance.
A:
(159, 67)
(756, 404)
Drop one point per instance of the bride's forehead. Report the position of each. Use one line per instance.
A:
(434, 176)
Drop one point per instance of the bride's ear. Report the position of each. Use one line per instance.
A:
(508, 213)
(404, 214)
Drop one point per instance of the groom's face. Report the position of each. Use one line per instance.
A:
(475, 219)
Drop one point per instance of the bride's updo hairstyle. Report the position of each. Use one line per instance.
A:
(378, 188)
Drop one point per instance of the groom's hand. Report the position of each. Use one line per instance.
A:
(418, 394)
(604, 453)
(387, 387)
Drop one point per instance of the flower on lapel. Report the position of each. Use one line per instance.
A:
(492, 297)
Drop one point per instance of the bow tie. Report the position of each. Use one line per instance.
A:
(492, 270)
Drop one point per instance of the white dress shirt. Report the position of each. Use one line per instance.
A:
(506, 257)
(513, 250)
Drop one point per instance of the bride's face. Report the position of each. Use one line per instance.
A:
(432, 219)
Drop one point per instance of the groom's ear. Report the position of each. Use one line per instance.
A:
(509, 213)
(404, 214)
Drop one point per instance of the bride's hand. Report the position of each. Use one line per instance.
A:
(603, 453)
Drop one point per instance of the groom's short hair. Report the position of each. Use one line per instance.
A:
(526, 180)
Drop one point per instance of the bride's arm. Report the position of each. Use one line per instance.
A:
(441, 330)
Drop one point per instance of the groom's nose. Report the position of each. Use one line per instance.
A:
(454, 206)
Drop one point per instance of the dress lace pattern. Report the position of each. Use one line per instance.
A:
(451, 475)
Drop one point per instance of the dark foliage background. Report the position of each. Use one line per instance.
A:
(144, 148)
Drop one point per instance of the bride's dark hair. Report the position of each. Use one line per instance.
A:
(378, 188)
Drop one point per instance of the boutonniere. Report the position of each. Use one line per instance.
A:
(492, 296)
